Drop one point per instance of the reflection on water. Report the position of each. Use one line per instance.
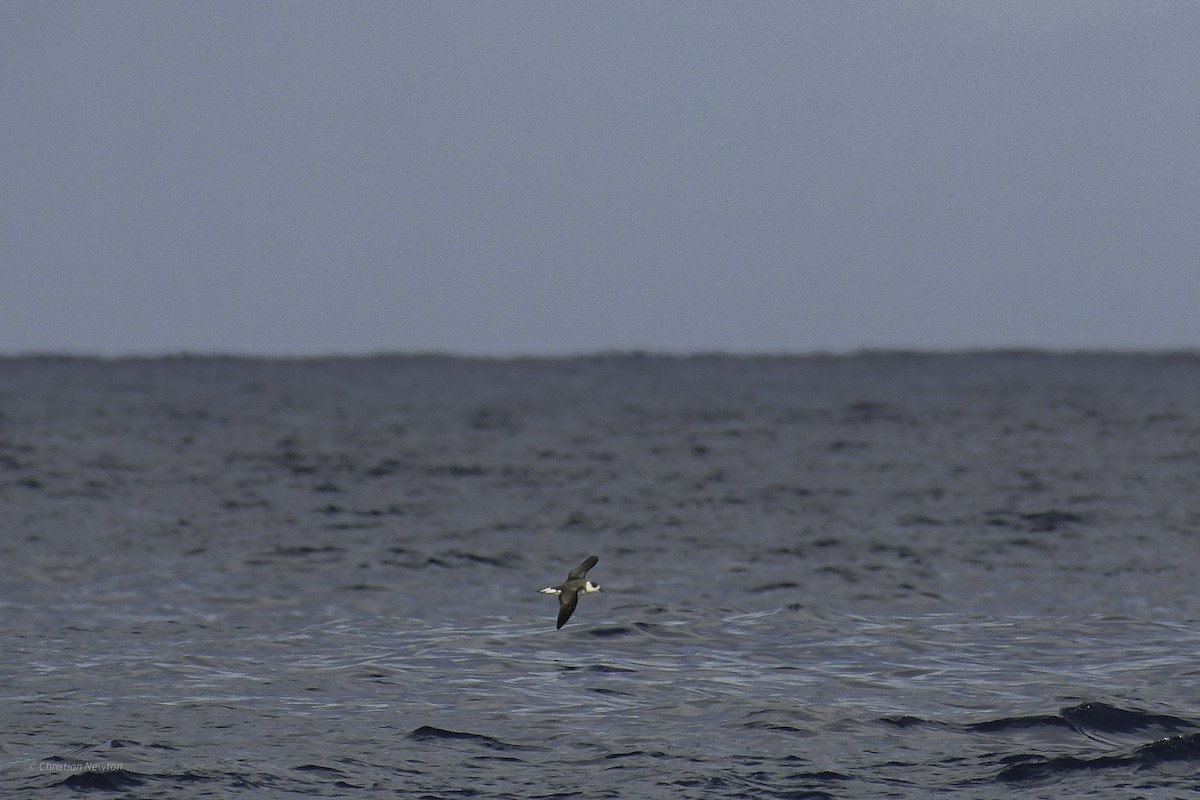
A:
(965, 699)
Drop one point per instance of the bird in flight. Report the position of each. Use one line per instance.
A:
(569, 590)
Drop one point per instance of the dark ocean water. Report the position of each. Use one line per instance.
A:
(883, 575)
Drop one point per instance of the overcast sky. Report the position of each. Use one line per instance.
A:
(519, 177)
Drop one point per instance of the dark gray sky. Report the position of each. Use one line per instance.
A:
(515, 177)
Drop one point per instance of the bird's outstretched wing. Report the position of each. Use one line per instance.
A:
(583, 568)
(566, 606)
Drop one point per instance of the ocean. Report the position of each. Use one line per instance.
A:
(878, 575)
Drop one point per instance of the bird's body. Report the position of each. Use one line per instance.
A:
(569, 590)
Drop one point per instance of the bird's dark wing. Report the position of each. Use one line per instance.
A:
(583, 568)
(566, 606)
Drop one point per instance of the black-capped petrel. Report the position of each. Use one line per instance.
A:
(569, 590)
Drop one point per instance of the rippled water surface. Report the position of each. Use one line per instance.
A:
(874, 576)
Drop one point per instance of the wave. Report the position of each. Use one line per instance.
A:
(1174, 748)
(1091, 717)
(427, 733)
